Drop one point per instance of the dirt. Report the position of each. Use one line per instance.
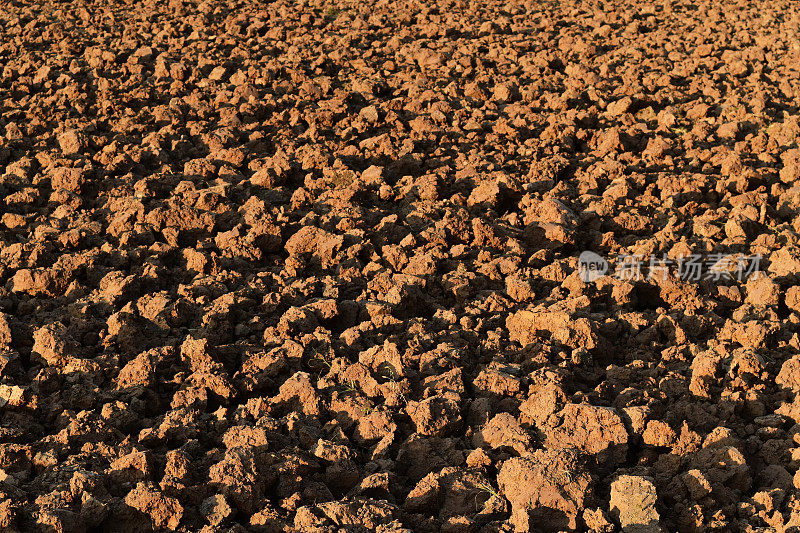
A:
(308, 266)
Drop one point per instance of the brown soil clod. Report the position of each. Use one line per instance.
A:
(336, 266)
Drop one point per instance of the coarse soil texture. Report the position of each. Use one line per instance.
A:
(308, 266)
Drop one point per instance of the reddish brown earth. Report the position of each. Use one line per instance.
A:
(306, 266)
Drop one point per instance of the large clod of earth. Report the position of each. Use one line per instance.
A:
(470, 267)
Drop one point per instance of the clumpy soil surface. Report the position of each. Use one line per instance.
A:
(313, 266)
